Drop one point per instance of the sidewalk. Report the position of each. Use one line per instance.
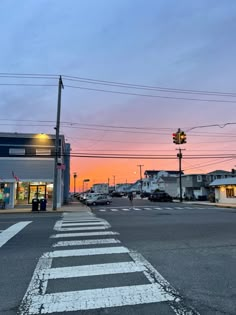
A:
(72, 206)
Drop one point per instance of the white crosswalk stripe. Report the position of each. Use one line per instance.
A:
(99, 298)
(147, 209)
(86, 242)
(82, 223)
(92, 270)
(38, 300)
(86, 252)
(10, 232)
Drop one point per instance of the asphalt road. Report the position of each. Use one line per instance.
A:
(193, 247)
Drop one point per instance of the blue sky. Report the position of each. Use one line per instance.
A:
(179, 44)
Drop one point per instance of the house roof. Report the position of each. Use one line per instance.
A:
(152, 172)
(224, 181)
(219, 172)
(199, 174)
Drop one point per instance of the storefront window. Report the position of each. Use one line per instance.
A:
(25, 192)
(229, 192)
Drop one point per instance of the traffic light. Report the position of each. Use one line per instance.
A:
(179, 137)
(175, 138)
(183, 137)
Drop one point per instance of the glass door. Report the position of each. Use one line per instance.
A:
(36, 191)
(41, 191)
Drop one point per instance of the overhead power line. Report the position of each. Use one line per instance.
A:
(150, 95)
(122, 85)
(147, 87)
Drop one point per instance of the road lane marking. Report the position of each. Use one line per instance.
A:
(168, 208)
(147, 208)
(82, 223)
(81, 220)
(37, 286)
(87, 242)
(99, 298)
(136, 209)
(178, 304)
(179, 208)
(102, 210)
(91, 270)
(84, 234)
(7, 234)
(86, 252)
(114, 210)
(158, 208)
(85, 228)
(125, 209)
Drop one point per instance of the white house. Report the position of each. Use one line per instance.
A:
(225, 190)
(168, 184)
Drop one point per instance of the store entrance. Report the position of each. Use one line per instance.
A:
(36, 191)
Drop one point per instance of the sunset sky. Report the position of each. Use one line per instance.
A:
(181, 46)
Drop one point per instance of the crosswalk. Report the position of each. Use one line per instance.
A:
(80, 252)
(152, 208)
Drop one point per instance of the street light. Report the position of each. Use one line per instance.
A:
(75, 176)
(84, 181)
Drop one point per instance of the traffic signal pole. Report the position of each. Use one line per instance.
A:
(179, 155)
(179, 137)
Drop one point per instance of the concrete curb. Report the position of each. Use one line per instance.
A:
(74, 207)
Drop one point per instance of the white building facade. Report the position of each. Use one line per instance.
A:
(27, 169)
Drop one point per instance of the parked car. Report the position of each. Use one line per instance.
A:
(145, 194)
(98, 200)
(117, 194)
(160, 196)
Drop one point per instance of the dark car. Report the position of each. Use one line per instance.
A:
(145, 194)
(160, 196)
(117, 194)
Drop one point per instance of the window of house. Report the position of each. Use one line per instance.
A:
(229, 192)
(17, 151)
(43, 152)
(214, 177)
(199, 178)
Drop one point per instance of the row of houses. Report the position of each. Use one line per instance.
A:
(219, 185)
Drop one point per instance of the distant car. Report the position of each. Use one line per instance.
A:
(117, 194)
(145, 194)
(89, 196)
(98, 200)
(160, 196)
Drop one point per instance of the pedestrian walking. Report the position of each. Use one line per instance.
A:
(131, 197)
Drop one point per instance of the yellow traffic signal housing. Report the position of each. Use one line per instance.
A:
(183, 137)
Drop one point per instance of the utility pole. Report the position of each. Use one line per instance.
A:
(140, 173)
(179, 155)
(114, 181)
(60, 87)
(75, 175)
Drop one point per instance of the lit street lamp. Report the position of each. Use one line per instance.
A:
(75, 176)
(84, 181)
